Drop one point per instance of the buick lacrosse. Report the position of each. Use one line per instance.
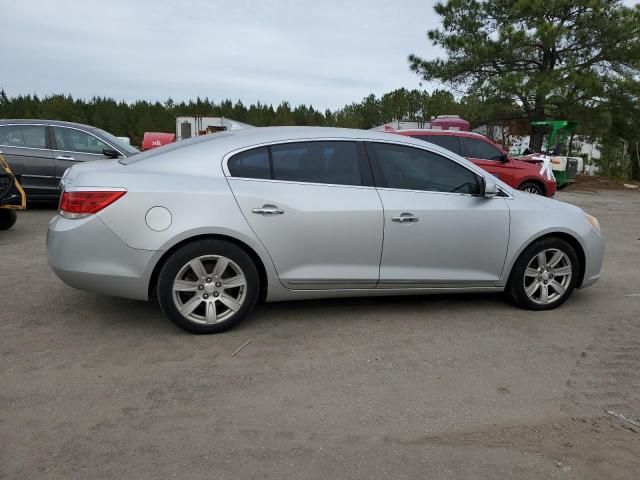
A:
(209, 226)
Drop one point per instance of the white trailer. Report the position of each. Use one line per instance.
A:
(187, 127)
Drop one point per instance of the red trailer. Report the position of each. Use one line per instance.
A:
(156, 139)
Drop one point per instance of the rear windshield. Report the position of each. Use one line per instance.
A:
(173, 146)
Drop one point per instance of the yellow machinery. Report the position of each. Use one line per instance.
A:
(12, 196)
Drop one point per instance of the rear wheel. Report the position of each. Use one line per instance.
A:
(7, 218)
(544, 275)
(208, 286)
(532, 187)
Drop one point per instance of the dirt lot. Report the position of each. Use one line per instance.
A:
(393, 388)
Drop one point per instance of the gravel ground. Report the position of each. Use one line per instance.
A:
(460, 387)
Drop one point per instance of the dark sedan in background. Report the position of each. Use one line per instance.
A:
(41, 150)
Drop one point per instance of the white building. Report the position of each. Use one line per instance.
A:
(187, 127)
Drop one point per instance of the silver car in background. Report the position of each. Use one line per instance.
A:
(210, 225)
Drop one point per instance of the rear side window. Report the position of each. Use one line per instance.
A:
(317, 162)
(449, 142)
(32, 136)
(250, 164)
(401, 167)
(477, 148)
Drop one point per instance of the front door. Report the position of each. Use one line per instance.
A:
(437, 231)
(73, 145)
(313, 207)
(26, 150)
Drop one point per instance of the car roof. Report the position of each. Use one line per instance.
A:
(237, 139)
(429, 131)
(59, 123)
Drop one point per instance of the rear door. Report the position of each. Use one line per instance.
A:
(313, 206)
(26, 149)
(74, 145)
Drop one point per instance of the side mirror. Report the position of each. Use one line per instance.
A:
(489, 187)
(505, 157)
(111, 153)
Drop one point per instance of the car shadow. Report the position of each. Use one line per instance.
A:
(121, 313)
(364, 309)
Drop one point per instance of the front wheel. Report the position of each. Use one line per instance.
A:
(544, 275)
(208, 286)
(532, 187)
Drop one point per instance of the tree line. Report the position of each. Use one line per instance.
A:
(133, 119)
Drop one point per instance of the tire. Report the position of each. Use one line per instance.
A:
(207, 305)
(7, 218)
(560, 277)
(532, 187)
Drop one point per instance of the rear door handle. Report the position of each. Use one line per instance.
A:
(65, 157)
(268, 210)
(405, 217)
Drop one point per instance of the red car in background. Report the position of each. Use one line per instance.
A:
(490, 156)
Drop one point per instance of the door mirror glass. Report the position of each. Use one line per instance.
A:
(490, 187)
(110, 152)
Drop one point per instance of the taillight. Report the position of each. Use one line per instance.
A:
(78, 204)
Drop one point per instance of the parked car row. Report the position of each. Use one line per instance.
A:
(208, 226)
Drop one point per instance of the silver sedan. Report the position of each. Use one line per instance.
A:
(211, 225)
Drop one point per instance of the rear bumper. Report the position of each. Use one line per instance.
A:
(87, 255)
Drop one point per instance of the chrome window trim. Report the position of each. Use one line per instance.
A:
(297, 182)
(26, 148)
(229, 154)
(446, 154)
(88, 133)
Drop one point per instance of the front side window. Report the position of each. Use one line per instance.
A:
(32, 136)
(401, 167)
(250, 164)
(317, 162)
(477, 148)
(73, 140)
(449, 142)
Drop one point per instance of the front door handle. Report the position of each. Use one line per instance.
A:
(65, 157)
(405, 218)
(268, 210)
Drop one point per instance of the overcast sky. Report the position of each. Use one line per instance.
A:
(327, 53)
(324, 52)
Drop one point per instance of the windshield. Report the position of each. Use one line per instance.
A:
(116, 142)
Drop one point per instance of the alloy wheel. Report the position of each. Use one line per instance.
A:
(209, 289)
(547, 276)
